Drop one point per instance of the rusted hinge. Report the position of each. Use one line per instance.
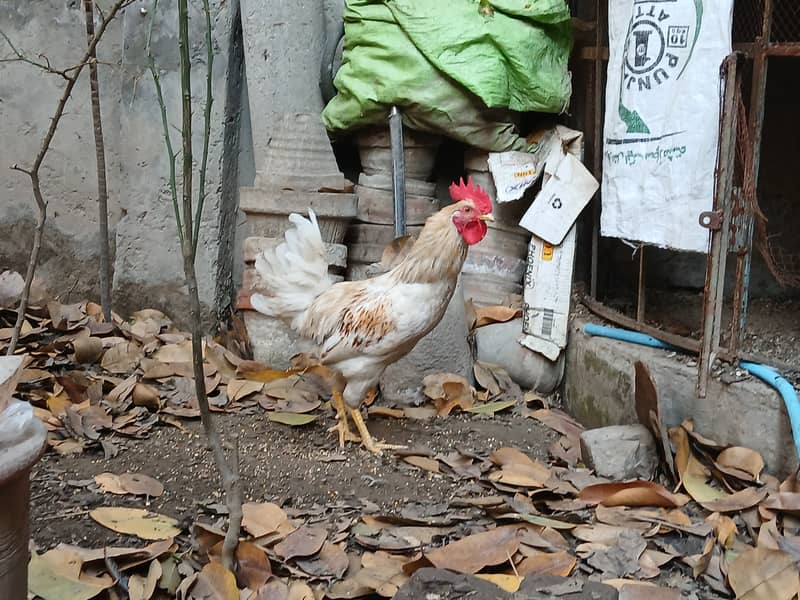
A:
(711, 220)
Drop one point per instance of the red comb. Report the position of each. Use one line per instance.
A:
(471, 192)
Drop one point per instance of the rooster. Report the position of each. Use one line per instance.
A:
(361, 327)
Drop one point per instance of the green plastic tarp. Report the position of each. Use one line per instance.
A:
(451, 69)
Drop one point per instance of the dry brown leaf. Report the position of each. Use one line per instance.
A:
(175, 353)
(147, 396)
(142, 587)
(136, 521)
(741, 500)
(87, 349)
(300, 591)
(122, 358)
(253, 567)
(222, 359)
(424, 463)
(272, 590)
(264, 518)
(126, 558)
(517, 475)
(693, 475)
(558, 421)
(456, 394)
(56, 575)
(331, 561)
(513, 458)
(763, 574)
(783, 502)
(485, 379)
(58, 403)
(744, 459)
(110, 483)
(633, 493)
(724, 528)
(214, 582)
(607, 535)
(474, 552)
(382, 572)
(434, 384)
(486, 315)
(548, 563)
(518, 469)
(122, 390)
(241, 388)
(303, 541)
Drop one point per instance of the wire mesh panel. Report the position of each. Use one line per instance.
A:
(747, 20)
(785, 21)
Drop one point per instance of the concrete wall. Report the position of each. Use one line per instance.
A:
(147, 260)
(267, 62)
(599, 391)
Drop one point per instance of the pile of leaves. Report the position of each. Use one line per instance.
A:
(712, 517)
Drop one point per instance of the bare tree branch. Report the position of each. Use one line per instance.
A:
(173, 186)
(100, 157)
(189, 236)
(201, 190)
(33, 171)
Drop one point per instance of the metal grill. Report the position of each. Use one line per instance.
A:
(747, 20)
(777, 238)
(785, 21)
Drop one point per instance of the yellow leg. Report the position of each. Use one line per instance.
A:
(345, 434)
(366, 438)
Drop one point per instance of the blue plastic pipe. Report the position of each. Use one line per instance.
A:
(766, 374)
(771, 377)
(625, 335)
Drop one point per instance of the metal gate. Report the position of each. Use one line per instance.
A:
(762, 29)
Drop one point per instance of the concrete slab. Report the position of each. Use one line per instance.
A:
(599, 391)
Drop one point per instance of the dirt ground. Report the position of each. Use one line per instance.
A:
(293, 467)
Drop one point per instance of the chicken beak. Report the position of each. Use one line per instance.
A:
(487, 217)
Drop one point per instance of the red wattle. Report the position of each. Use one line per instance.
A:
(474, 231)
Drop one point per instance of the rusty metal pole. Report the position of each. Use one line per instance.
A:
(718, 221)
(758, 92)
(398, 171)
(597, 142)
(641, 296)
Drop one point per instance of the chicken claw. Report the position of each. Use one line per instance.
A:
(345, 433)
(342, 426)
(366, 438)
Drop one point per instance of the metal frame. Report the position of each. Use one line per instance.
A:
(731, 221)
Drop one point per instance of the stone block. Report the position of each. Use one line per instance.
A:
(598, 391)
(620, 452)
(273, 342)
(497, 344)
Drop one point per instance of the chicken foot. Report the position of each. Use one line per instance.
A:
(342, 426)
(366, 438)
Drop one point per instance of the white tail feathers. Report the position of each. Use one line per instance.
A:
(294, 273)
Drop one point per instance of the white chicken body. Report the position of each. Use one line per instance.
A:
(361, 327)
